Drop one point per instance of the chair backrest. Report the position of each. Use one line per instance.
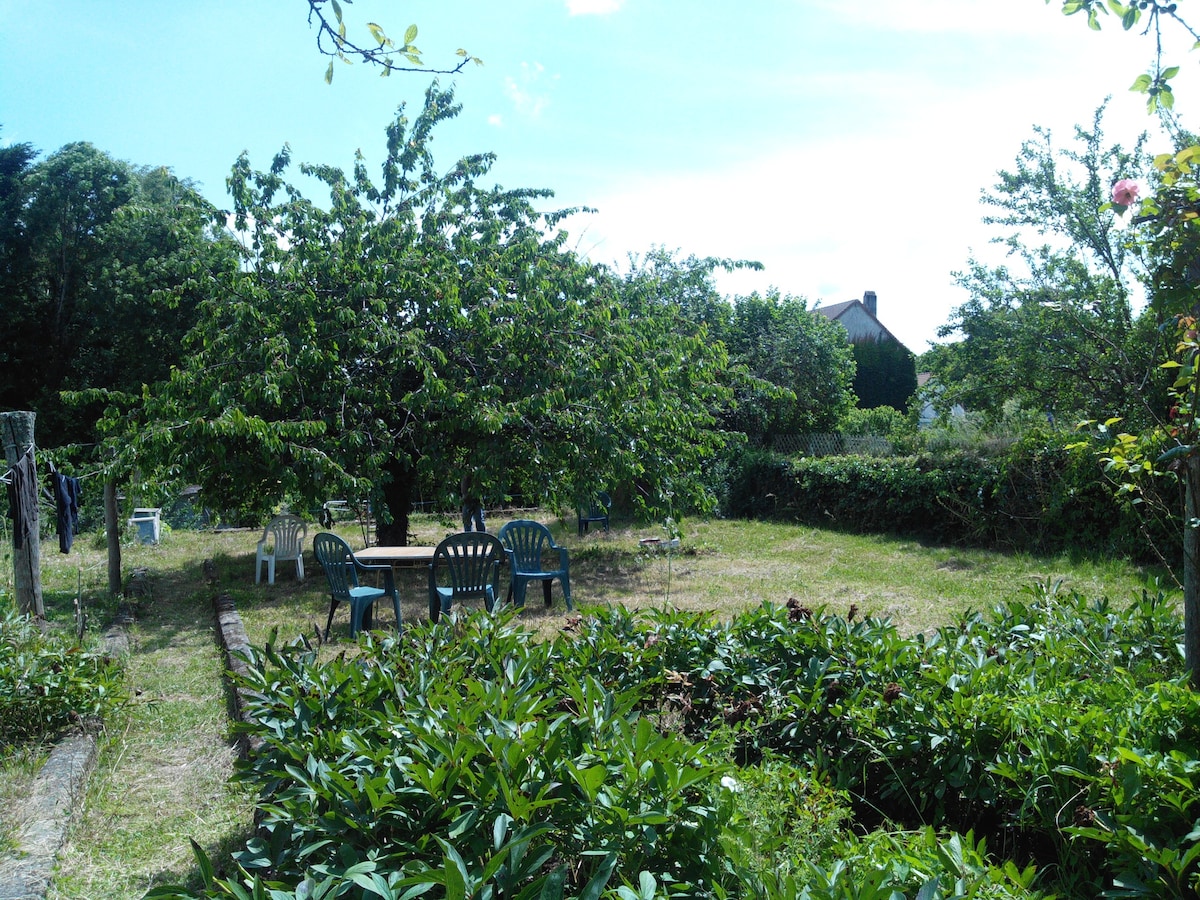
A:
(526, 539)
(287, 533)
(599, 505)
(337, 561)
(471, 561)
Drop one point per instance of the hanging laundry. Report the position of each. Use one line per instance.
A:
(67, 492)
(22, 488)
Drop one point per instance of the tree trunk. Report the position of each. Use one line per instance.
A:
(1191, 575)
(16, 432)
(397, 499)
(112, 533)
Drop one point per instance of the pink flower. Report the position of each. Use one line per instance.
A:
(1125, 192)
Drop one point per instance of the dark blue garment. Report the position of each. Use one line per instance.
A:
(22, 485)
(67, 491)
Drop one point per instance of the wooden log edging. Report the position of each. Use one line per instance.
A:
(236, 645)
(55, 795)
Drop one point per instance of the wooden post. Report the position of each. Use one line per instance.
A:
(16, 433)
(112, 532)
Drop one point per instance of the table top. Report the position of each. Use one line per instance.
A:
(394, 554)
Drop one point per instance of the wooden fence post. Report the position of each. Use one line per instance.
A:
(112, 531)
(16, 433)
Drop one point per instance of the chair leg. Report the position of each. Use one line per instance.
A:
(520, 583)
(300, 567)
(329, 621)
(270, 570)
(546, 582)
(566, 586)
(361, 618)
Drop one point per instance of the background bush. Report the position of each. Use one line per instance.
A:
(1036, 495)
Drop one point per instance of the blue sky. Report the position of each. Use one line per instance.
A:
(842, 144)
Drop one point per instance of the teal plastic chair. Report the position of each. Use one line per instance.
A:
(341, 571)
(596, 511)
(468, 565)
(533, 556)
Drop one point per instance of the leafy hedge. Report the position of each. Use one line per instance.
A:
(1039, 496)
(633, 756)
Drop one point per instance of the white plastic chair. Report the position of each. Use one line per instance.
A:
(285, 536)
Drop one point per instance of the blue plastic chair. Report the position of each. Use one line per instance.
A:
(341, 571)
(596, 511)
(470, 563)
(533, 556)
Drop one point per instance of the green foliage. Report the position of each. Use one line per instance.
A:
(922, 864)
(942, 498)
(1054, 331)
(467, 759)
(48, 684)
(885, 374)
(110, 262)
(785, 819)
(798, 366)
(418, 326)
(1035, 495)
(898, 428)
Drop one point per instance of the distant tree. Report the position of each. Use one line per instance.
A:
(800, 366)
(415, 328)
(104, 265)
(1059, 340)
(1054, 331)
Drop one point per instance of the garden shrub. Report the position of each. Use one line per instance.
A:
(666, 754)
(48, 684)
(1038, 496)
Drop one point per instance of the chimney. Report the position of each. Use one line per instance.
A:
(869, 301)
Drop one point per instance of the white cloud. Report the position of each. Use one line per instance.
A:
(496, 120)
(525, 91)
(593, 7)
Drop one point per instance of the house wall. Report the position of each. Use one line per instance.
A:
(860, 326)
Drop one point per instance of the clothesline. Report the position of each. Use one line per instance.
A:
(66, 492)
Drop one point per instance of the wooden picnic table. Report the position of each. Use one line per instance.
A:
(395, 555)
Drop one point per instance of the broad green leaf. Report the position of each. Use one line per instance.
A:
(337, 9)
(329, 73)
(410, 34)
(377, 33)
(596, 884)
(552, 889)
